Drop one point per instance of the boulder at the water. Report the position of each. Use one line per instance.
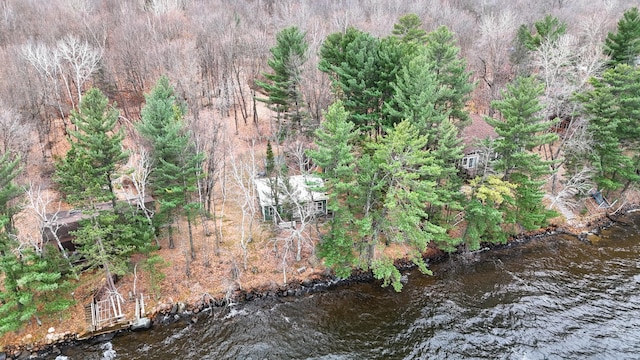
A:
(404, 279)
(592, 238)
(141, 324)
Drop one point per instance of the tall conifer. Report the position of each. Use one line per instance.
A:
(362, 69)
(623, 47)
(409, 30)
(335, 155)
(613, 110)
(521, 129)
(284, 95)
(450, 69)
(85, 175)
(176, 162)
(28, 278)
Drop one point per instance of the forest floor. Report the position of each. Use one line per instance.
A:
(219, 269)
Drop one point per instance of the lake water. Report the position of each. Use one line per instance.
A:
(551, 298)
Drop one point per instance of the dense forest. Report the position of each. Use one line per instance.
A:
(105, 104)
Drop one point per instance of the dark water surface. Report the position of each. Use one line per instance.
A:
(553, 298)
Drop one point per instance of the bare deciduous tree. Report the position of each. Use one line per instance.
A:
(565, 66)
(71, 61)
(297, 148)
(294, 235)
(139, 179)
(578, 183)
(207, 137)
(244, 172)
(15, 134)
(81, 60)
(159, 7)
(47, 62)
(497, 33)
(314, 84)
(38, 203)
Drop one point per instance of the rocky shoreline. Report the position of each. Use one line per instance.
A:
(190, 313)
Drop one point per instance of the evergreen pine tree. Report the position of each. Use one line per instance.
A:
(623, 47)
(273, 178)
(354, 74)
(406, 179)
(28, 279)
(175, 161)
(409, 30)
(86, 174)
(447, 153)
(362, 69)
(9, 170)
(30, 283)
(270, 160)
(520, 130)
(420, 99)
(335, 155)
(529, 40)
(160, 126)
(548, 29)
(415, 98)
(109, 238)
(613, 108)
(442, 55)
(282, 87)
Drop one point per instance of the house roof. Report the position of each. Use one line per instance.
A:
(303, 188)
(478, 130)
(75, 215)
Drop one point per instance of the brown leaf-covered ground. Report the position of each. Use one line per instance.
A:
(218, 269)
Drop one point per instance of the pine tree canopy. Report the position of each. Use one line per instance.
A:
(31, 286)
(9, 170)
(443, 56)
(613, 108)
(548, 29)
(521, 129)
(282, 85)
(623, 47)
(86, 173)
(176, 163)
(362, 69)
(409, 30)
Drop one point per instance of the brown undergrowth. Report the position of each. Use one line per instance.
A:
(218, 270)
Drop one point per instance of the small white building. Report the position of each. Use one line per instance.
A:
(474, 157)
(302, 190)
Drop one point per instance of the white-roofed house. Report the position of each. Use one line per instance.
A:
(300, 195)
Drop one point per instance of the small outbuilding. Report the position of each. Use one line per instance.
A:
(64, 223)
(474, 155)
(304, 191)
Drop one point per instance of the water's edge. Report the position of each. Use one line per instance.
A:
(190, 313)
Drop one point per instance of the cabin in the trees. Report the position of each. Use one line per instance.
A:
(475, 156)
(291, 198)
(63, 223)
